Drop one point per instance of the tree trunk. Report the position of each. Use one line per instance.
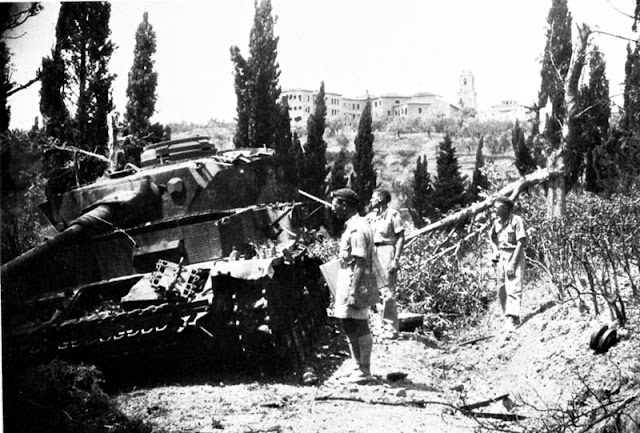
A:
(556, 193)
(512, 190)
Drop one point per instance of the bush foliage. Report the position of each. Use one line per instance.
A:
(592, 256)
(62, 397)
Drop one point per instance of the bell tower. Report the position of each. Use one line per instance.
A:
(467, 97)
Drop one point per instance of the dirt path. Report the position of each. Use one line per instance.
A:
(543, 364)
(242, 404)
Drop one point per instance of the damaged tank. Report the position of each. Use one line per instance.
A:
(197, 252)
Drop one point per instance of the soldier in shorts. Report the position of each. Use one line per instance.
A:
(508, 239)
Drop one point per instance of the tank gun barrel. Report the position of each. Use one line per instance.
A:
(97, 220)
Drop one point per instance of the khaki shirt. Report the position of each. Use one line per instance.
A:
(508, 234)
(356, 241)
(386, 227)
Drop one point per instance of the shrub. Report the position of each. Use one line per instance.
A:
(451, 291)
(62, 397)
(593, 253)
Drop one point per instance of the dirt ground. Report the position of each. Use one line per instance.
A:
(545, 364)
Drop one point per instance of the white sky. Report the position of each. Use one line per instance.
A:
(354, 46)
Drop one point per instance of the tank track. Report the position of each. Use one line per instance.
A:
(71, 337)
(267, 324)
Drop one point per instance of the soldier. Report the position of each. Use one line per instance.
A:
(351, 303)
(508, 239)
(388, 237)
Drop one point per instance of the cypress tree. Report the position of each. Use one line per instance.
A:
(314, 160)
(77, 76)
(525, 162)
(256, 81)
(297, 157)
(143, 80)
(591, 124)
(422, 190)
(283, 137)
(338, 174)
(82, 37)
(449, 184)
(629, 134)
(52, 99)
(555, 67)
(479, 181)
(365, 180)
(241, 84)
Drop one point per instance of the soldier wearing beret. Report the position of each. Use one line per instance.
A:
(508, 239)
(351, 304)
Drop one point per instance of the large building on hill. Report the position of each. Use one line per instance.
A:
(506, 110)
(301, 104)
(424, 104)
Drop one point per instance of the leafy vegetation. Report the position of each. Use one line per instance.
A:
(592, 256)
(447, 289)
(64, 398)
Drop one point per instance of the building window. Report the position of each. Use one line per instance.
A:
(397, 101)
(419, 110)
(464, 81)
(389, 113)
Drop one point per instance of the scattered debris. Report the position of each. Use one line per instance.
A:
(484, 403)
(475, 340)
(409, 322)
(396, 376)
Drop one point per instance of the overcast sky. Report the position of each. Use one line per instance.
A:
(354, 46)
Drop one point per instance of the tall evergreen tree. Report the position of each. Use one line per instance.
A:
(365, 180)
(422, 190)
(591, 124)
(283, 137)
(143, 80)
(314, 160)
(479, 181)
(449, 184)
(555, 67)
(629, 131)
(338, 175)
(525, 161)
(298, 158)
(52, 99)
(82, 38)
(256, 81)
(81, 63)
(241, 78)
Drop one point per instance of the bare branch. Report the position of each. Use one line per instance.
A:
(614, 35)
(78, 150)
(24, 86)
(602, 101)
(619, 11)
